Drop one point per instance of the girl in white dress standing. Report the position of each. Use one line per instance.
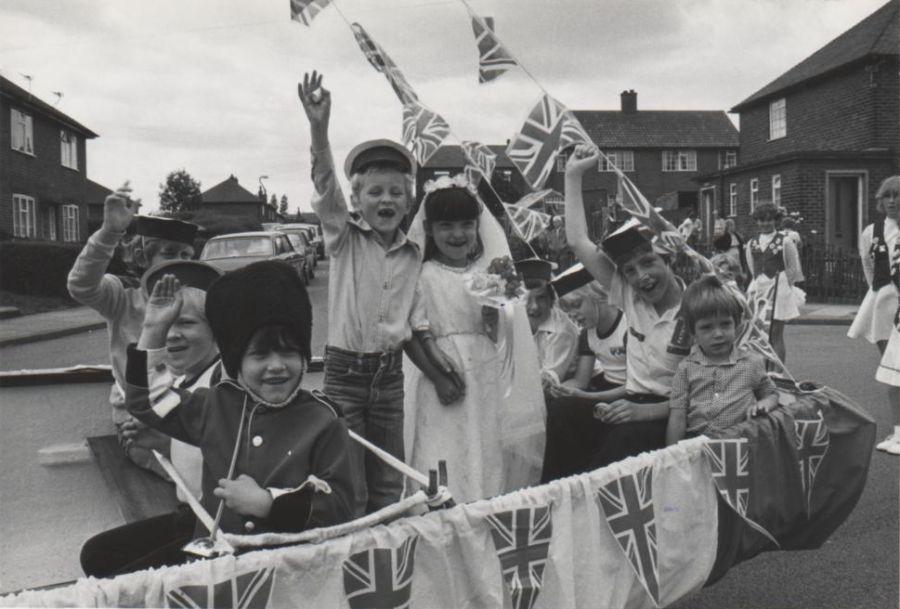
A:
(775, 268)
(492, 437)
(875, 320)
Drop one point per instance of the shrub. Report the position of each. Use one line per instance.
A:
(41, 267)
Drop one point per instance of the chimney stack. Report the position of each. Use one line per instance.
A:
(629, 101)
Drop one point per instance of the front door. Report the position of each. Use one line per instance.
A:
(843, 211)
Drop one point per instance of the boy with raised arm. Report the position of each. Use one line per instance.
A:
(371, 294)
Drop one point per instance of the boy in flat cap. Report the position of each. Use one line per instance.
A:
(639, 282)
(371, 291)
(122, 304)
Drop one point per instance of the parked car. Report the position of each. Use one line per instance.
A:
(230, 252)
(314, 234)
(303, 247)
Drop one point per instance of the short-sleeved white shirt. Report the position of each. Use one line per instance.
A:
(656, 343)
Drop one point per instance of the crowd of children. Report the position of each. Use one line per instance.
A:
(614, 357)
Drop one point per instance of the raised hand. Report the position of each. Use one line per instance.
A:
(164, 305)
(316, 100)
(583, 158)
(119, 209)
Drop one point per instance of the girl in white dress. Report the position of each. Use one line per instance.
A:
(492, 437)
(774, 267)
(877, 319)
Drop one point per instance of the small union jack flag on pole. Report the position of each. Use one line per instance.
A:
(534, 148)
(729, 462)
(626, 503)
(304, 11)
(480, 156)
(813, 441)
(493, 59)
(384, 64)
(380, 578)
(423, 131)
(522, 540)
(246, 591)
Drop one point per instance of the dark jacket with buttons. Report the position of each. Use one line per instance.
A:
(279, 448)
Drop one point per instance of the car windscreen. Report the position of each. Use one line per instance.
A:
(239, 246)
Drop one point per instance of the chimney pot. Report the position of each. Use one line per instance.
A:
(629, 101)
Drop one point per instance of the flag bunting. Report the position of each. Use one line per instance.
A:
(384, 64)
(304, 11)
(423, 131)
(522, 540)
(246, 591)
(493, 59)
(813, 440)
(380, 577)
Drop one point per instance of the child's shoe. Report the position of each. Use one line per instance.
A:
(894, 449)
(891, 445)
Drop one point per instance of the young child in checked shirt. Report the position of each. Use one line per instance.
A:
(718, 385)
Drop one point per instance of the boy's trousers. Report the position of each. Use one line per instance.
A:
(369, 389)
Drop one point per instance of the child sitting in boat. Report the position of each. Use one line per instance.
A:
(122, 304)
(275, 454)
(718, 385)
(189, 361)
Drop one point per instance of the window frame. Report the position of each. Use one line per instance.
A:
(52, 232)
(776, 190)
(26, 133)
(28, 213)
(678, 155)
(754, 193)
(733, 199)
(622, 159)
(733, 163)
(71, 222)
(777, 119)
(68, 149)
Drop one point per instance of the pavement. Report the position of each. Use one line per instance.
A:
(54, 324)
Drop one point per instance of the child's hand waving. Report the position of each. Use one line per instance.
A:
(316, 100)
(245, 496)
(119, 209)
(162, 310)
(583, 158)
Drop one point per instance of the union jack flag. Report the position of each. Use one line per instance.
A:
(423, 131)
(813, 440)
(493, 59)
(729, 462)
(627, 505)
(380, 578)
(573, 132)
(534, 148)
(246, 591)
(384, 64)
(529, 223)
(480, 156)
(522, 540)
(473, 175)
(305, 11)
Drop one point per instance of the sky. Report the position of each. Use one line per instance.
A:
(211, 85)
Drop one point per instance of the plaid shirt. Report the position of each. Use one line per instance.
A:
(718, 395)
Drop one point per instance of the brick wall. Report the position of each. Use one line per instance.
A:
(40, 176)
(854, 109)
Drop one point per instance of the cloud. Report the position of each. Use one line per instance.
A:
(210, 85)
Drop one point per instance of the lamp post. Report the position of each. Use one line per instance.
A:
(262, 188)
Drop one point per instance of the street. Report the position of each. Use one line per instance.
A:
(858, 567)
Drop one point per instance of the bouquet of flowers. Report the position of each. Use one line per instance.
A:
(499, 286)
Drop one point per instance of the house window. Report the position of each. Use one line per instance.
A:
(777, 119)
(730, 159)
(754, 193)
(24, 224)
(623, 159)
(21, 137)
(776, 190)
(70, 222)
(679, 160)
(51, 224)
(732, 200)
(68, 149)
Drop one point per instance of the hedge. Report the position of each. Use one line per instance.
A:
(41, 267)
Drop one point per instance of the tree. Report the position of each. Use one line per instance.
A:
(180, 192)
(273, 201)
(282, 209)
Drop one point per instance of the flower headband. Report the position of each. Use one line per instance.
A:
(443, 182)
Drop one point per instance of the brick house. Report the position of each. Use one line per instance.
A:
(661, 151)
(819, 139)
(44, 189)
(229, 198)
